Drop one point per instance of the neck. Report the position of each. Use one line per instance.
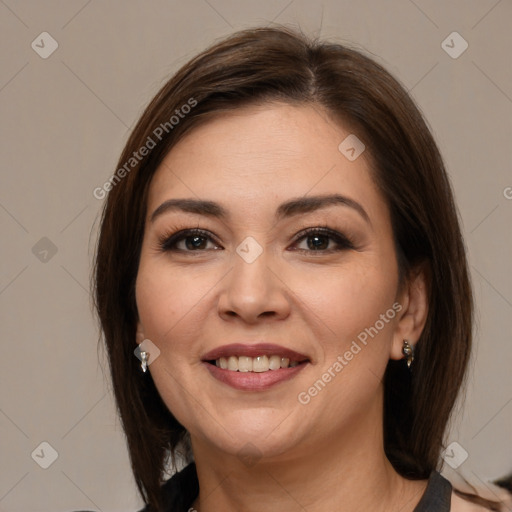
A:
(347, 471)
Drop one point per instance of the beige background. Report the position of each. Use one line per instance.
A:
(64, 121)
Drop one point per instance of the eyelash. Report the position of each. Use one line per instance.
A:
(167, 242)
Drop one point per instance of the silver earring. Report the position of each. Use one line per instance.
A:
(144, 356)
(408, 352)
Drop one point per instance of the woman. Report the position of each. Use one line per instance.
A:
(281, 251)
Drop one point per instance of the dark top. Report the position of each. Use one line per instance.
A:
(182, 489)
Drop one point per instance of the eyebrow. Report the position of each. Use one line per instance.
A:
(290, 208)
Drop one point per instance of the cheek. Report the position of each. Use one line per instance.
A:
(168, 304)
(355, 351)
(356, 303)
(347, 300)
(167, 299)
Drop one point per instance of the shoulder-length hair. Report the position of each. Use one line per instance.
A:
(257, 66)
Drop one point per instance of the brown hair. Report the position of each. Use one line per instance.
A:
(276, 64)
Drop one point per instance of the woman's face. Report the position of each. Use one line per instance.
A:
(253, 288)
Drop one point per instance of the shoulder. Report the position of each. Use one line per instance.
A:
(470, 504)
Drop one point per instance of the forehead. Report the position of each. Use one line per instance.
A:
(260, 154)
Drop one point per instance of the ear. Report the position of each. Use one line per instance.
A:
(411, 319)
(139, 335)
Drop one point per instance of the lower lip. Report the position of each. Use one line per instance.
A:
(254, 381)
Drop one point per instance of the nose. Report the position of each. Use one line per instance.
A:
(254, 292)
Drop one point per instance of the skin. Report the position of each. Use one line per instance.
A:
(328, 453)
(459, 504)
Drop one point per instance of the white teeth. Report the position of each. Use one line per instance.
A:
(245, 364)
(260, 364)
(233, 363)
(257, 364)
(274, 362)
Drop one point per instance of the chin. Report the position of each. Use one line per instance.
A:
(246, 435)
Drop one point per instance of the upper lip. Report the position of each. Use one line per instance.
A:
(253, 350)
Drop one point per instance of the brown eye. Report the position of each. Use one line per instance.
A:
(322, 240)
(195, 240)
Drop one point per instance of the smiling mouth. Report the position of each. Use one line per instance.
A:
(258, 364)
(254, 366)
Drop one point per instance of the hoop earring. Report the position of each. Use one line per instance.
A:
(408, 352)
(144, 356)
